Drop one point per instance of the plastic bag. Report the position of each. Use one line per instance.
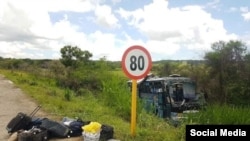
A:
(92, 127)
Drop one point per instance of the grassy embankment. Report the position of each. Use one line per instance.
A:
(60, 102)
(91, 107)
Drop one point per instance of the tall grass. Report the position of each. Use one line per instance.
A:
(116, 95)
(221, 114)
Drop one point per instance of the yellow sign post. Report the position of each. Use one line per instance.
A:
(133, 109)
(136, 64)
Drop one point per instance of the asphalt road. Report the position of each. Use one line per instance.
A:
(12, 101)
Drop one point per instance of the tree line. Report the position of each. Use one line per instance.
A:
(223, 73)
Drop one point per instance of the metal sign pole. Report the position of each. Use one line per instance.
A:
(133, 109)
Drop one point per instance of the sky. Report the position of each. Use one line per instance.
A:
(168, 29)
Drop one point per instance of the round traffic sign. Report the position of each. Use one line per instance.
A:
(136, 62)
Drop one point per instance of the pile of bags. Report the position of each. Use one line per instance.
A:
(43, 129)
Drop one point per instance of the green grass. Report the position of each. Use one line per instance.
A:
(111, 106)
(119, 73)
(90, 107)
(222, 114)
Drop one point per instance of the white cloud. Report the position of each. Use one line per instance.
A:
(190, 26)
(244, 9)
(245, 13)
(116, 1)
(159, 47)
(13, 49)
(54, 5)
(27, 25)
(214, 4)
(35, 29)
(105, 17)
(232, 9)
(27, 30)
(246, 16)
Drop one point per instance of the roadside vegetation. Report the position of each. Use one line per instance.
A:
(76, 86)
(221, 114)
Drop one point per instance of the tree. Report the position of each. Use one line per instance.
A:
(165, 70)
(226, 63)
(73, 56)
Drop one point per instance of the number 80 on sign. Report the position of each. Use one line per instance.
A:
(136, 62)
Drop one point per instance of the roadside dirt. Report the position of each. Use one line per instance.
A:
(12, 101)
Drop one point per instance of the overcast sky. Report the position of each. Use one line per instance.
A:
(168, 29)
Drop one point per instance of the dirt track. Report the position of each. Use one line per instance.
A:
(12, 101)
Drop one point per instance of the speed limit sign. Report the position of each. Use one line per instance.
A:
(136, 62)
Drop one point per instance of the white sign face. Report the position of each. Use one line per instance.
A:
(136, 62)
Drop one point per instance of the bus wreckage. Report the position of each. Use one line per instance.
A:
(167, 95)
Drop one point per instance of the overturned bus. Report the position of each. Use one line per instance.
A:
(165, 95)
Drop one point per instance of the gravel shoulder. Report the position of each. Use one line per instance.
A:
(12, 101)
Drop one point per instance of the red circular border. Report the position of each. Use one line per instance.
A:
(124, 63)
